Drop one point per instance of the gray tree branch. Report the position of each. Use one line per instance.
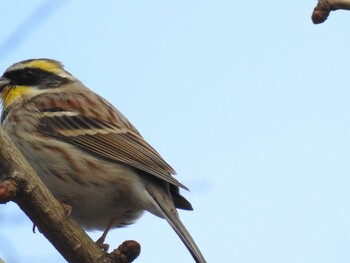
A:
(324, 7)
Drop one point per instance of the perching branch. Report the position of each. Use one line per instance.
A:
(324, 7)
(20, 184)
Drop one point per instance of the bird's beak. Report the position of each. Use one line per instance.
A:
(3, 83)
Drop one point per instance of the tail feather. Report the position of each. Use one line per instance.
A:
(173, 219)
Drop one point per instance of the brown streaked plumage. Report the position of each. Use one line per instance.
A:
(86, 151)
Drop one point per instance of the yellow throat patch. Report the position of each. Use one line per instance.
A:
(11, 94)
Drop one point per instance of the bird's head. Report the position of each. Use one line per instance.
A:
(30, 77)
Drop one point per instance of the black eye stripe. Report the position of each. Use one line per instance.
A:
(34, 76)
(20, 74)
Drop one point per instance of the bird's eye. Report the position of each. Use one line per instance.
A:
(28, 73)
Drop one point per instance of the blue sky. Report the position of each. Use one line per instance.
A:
(248, 101)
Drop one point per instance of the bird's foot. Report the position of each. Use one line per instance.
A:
(101, 244)
(67, 208)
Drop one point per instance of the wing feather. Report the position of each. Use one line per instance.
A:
(108, 141)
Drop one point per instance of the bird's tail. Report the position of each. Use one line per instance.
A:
(170, 214)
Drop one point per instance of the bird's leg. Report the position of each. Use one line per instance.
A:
(101, 240)
(67, 208)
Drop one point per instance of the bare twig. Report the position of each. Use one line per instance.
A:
(128, 251)
(8, 191)
(21, 185)
(324, 7)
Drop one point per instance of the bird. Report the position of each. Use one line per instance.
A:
(86, 152)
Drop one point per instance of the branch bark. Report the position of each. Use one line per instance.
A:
(324, 7)
(21, 185)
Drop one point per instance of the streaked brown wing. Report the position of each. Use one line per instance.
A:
(109, 141)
